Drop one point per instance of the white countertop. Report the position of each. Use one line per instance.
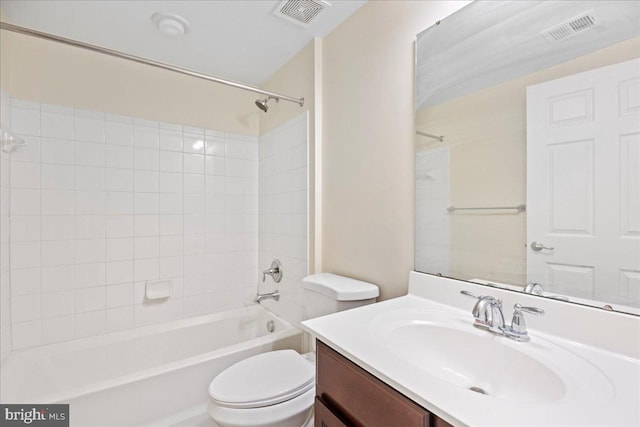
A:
(613, 401)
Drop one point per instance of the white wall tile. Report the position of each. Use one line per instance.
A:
(214, 146)
(119, 157)
(90, 154)
(145, 137)
(119, 179)
(90, 227)
(146, 159)
(193, 143)
(30, 152)
(25, 202)
(171, 182)
(98, 199)
(119, 319)
(193, 184)
(90, 275)
(25, 228)
(25, 121)
(120, 271)
(90, 323)
(120, 295)
(119, 203)
(58, 252)
(170, 140)
(146, 269)
(25, 281)
(57, 151)
(58, 278)
(90, 178)
(119, 133)
(90, 251)
(194, 163)
(119, 226)
(119, 249)
(146, 181)
(55, 304)
(89, 129)
(171, 203)
(147, 225)
(25, 308)
(57, 177)
(170, 161)
(146, 247)
(58, 329)
(53, 125)
(25, 175)
(27, 334)
(25, 254)
(146, 203)
(58, 202)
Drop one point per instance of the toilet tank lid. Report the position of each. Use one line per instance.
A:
(339, 287)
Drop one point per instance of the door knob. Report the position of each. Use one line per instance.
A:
(537, 246)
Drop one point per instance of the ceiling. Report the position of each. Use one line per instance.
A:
(237, 40)
(487, 43)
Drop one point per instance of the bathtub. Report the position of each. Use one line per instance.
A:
(153, 375)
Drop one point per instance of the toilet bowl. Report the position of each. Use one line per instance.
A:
(274, 389)
(277, 389)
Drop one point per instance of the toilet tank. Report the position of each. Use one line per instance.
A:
(326, 293)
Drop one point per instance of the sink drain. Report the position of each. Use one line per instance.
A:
(478, 390)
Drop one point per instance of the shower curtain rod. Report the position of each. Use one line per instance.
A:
(140, 60)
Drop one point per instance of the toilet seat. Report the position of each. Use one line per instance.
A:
(263, 380)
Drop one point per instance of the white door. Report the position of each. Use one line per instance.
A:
(583, 184)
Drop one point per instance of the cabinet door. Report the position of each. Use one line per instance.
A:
(359, 398)
(323, 417)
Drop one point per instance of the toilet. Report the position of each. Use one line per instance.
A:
(277, 388)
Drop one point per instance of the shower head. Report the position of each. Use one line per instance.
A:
(262, 103)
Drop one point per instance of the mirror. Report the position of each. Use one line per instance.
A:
(528, 149)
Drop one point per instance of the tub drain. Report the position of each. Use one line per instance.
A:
(271, 326)
(478, 390)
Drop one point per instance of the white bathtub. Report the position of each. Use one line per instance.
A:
(154, 375)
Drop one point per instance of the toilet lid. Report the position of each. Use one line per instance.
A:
(262, 380)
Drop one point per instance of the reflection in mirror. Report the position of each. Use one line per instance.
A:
(528, 149)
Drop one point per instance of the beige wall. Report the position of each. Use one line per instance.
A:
(368, 151)
(486, 133)
(53, 73)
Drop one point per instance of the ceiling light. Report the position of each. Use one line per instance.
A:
(170, 24)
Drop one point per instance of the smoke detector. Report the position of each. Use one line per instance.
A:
(571, 27)
(300, 12)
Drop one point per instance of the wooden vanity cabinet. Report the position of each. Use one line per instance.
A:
(348, 396)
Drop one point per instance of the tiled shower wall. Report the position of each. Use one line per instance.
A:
(284, 212)
(5, 277)
(101, 203)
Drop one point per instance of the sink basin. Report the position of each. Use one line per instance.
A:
(448, 347)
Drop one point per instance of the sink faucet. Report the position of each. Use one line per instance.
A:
(487, 312)
(533, 288)
(275, 295)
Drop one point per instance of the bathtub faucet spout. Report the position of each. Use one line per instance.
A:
(271, 295)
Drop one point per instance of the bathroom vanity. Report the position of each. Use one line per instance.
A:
(418, 360)
(347, 395)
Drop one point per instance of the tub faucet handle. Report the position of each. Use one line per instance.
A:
(275, 271)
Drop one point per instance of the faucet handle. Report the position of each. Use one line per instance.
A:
(518, 328)
(471, 294)
(532, 310)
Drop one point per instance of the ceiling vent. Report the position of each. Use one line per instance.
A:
(300, 12)
(571, 27)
